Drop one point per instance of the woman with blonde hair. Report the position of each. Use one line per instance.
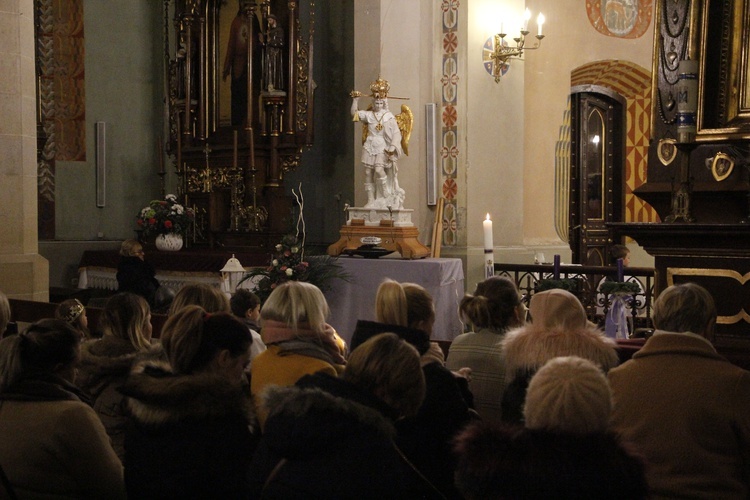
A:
(191, 429)
(52, 444)
(210, 298)
(298, 339)
(407, 310)
(402, 308)
(325, 423)
(106, 363)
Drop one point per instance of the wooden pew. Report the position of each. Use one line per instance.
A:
(29, 311)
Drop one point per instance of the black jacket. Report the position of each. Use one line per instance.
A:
(325, 438)
(137, 276)
(189, 436)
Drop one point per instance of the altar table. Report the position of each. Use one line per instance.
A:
(355, 299)
(98, 268)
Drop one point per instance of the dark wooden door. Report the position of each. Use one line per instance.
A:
(597, 180)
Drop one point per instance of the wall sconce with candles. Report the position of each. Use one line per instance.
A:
(497, 52)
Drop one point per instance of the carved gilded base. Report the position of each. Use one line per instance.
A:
(397, 239)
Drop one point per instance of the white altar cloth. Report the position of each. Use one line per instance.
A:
(353, 300)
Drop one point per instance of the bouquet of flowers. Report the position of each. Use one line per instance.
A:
(288, 263)
(164, 217)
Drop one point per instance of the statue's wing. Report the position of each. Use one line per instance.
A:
(405, 120)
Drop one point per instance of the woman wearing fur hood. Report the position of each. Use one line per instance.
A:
(558, 327)
(191, 432)
(106, 362)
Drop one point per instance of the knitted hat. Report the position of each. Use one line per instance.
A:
(570, 395)
(557, 308)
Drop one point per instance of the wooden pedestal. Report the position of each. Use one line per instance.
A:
(398, 239)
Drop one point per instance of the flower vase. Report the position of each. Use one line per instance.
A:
(170, 242)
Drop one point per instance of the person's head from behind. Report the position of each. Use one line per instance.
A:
(210, 298)
(568, 395)
(128, 317)
(198, 342)
(49, 346)
(245, 304)
(620, 252)
(297, 304)
(557, 309)
(685, 308)
(389, 368)
(73, 312)
(132, 248)
(405, 304)
(4, 313)
(495, 305)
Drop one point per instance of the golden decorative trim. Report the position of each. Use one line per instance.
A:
(198, 180)
(303, 57)
(730, 320)
(715, 273)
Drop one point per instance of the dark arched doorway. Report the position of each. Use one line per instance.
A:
(597, 165)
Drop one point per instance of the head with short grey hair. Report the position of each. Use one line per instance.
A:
(685, 308)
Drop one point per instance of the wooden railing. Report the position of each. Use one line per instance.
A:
(586, 281)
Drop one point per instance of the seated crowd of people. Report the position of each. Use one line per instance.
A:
(238, 399)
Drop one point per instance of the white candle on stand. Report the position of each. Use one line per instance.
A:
(489, 256)
(487, 225)
(540, 22)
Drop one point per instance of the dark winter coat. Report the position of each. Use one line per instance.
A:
(325, 438)
(189, 436)
(104, 366)
(426, 439)
(137, 276)
(509, 462)
(365, 330)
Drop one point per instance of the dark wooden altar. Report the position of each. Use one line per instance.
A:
(239, 110)
(698, 183)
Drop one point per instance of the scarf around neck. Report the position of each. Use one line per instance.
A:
(303, 340)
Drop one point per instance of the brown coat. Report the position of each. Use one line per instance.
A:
(687, 410)
(57, 449)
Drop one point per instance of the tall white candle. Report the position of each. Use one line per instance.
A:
(540, 22)
(487, 225)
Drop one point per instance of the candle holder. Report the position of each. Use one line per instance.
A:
(489, 263)
(162, 183)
